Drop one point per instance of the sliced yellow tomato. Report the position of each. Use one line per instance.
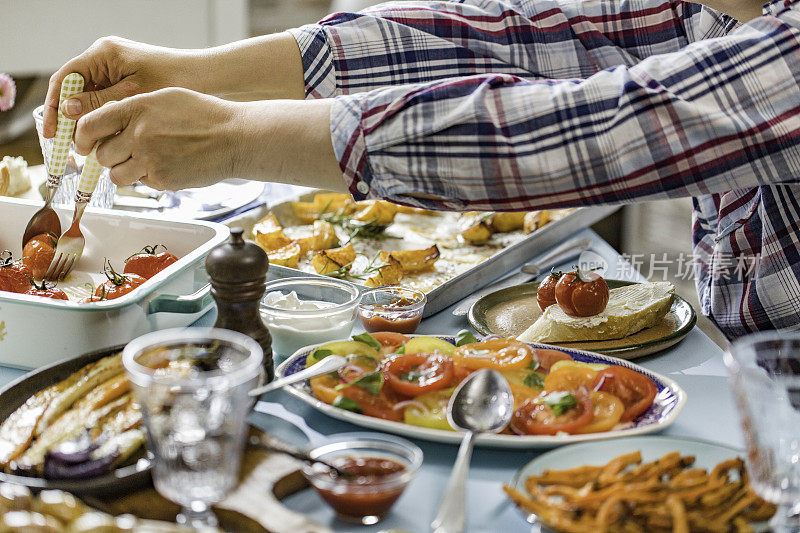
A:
(500, 354)
(324, 388)
(569, 377)
(429, 345)
(431, 411)
(608, 411)
(343, 348)
(594, 366)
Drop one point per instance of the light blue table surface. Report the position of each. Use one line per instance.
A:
(695, 363)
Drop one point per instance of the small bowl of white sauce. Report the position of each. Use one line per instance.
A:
(304, 311)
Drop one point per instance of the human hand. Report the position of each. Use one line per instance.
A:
(115, 68)
(167, 139)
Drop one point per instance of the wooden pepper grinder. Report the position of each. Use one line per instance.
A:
(238, 272)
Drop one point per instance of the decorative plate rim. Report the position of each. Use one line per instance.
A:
(493, 440)
(675, 336)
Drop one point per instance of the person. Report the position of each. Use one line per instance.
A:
(492, 105)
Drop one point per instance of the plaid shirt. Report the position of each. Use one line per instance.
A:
(530, 104)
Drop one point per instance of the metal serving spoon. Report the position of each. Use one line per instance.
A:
(482, 403)
(331, 363)
(271, 444)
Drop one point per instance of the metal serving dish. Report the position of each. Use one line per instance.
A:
(37, 331)
(520, 248)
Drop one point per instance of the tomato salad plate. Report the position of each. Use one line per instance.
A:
(402, 384)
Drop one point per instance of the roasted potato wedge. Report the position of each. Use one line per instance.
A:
(272, 240)
(308, 212)
(535, 220)
(324, 236)
(412, 261)
(378, 212)
(329, 261)
(389, 274)
(505, 222)
(476, 228)
(268, 224)
(287, 256)
(407, 210)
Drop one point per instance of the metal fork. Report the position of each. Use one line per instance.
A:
(70, 246)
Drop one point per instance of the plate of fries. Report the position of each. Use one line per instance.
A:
(640, 484)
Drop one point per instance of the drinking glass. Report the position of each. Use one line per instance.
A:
(103, 195)
(192, 385)
(765, 372)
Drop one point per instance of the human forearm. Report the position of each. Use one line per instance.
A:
(260, 68)
(285, 141)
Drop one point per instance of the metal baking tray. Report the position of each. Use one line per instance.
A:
(465, 283)
(37, 331)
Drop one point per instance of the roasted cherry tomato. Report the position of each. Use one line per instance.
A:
(546, 293)
(117, 284)
(636, 390)
(14, 275)
(390, 341)
(149, 261)
(607, 413)
(498, 354)
(38, 254)
(418, 373)
(581, 298)
(46, 290)
(536, 417)
(547, 358)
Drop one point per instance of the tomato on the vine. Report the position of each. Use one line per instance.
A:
(546, 293)
(149, 262)
(581, 298)
(117, 284)
(556, 412)
(38, 253)
(47, 290)
(14, 275)
(418, 373)
(636, 390)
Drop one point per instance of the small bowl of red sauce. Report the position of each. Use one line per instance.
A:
(391, 309)
(379, 469)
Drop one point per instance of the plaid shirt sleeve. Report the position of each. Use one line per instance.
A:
(647, 115)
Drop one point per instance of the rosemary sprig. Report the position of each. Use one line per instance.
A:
(355, 228)
(343, 272)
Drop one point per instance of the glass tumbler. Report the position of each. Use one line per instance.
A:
(192, 385)
(765, 372)
(103, 195)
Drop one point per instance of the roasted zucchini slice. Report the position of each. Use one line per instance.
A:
(329, 261)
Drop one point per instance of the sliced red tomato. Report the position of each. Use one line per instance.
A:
(390, 341)
(636, 390)
(500, 354)
(459, 374)
(380, 406)
(570, 377)
(548, 358)
(418, 373)
(535, 417)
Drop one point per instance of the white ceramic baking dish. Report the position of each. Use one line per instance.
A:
(36, 331)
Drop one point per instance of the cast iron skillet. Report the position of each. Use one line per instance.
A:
(127, 478)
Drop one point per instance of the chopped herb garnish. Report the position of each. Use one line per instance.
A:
(534, 380)
(560, 402)
(372, 383)
(534, 365)
(347, 404)
(465, 336)
(401, 350)
(369, 340)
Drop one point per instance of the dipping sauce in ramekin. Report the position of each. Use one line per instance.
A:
(391, 309)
